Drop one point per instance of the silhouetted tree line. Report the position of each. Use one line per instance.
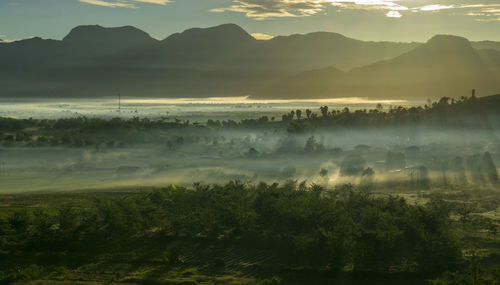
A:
(466, 112)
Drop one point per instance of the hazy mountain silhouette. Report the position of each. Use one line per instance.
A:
(486, 45)
(226, 61)
(125, 36)
(228, 34)
(321, 49)
(319, 83)
(208, 48)
(492, 59)
(444, 66)
(230, 46)
(97, 40)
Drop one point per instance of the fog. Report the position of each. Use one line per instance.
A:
(403, 158)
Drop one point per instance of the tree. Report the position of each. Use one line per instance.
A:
(298, 113)
(252, 152)
(367, 179)
(324, 111)
(42, 223)
(313, 146)
(308, 113)
(19, 221)
(288, 117)
(67, 218)
(352, 165)
(310, 144)
(444, 101)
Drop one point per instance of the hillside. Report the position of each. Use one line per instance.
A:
(444, 66)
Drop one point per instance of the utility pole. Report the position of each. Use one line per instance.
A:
(119, 102)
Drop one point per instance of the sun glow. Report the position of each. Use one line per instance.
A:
(247, 100)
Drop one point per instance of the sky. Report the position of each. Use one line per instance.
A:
(396, 20)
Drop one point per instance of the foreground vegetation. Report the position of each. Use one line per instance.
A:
(229, 234)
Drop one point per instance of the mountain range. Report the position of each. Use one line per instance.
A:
(444, 66)
(93, 61)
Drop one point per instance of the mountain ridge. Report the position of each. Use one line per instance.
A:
(215, 33)
(443, 66)
(223, 60)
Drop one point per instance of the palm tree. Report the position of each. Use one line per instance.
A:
(308, 113)
(324, 111)
(298, 113)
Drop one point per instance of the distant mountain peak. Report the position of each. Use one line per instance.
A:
(96, 33)
(227, 29)
(322, 34)
(315, 36)
(34, 40)
(220, 33)
(443, 37)
(449, 42)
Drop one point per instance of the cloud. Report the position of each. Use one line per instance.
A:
(265, 9)
(108, 4)
(368, 5)
(480, 5)
(393, 14)
(482, 12)
(488, 19)
(261, 36)
(262, 9)
(435, 7)
(123, 3)
(158, 2)
(268, 9)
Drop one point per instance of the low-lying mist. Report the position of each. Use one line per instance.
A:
(398, 157)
